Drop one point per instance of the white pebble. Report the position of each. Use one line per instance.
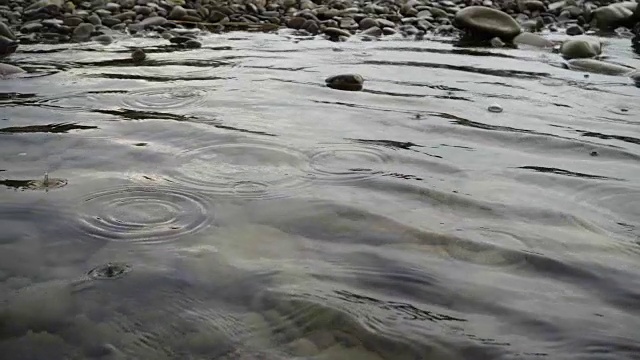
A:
(495, 108)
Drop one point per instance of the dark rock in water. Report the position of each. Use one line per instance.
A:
(7, 46)
(180, 39)
(486, 23)
(109, 271)
(6, 31)
(192, 44)
(347, 82)
(574, 30)
(138, 55)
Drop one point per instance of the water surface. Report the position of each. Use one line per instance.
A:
(258, 214)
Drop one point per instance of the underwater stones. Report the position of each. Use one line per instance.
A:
(599, 67)
(484, 22)
(109, 271)
(580, 48)
(346, 82)
(7, 46)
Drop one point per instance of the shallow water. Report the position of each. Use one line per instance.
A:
(261, 215)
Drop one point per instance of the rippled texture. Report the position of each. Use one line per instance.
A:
(241, 209)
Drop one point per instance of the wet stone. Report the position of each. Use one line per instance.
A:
(346, 82)
(109, 271)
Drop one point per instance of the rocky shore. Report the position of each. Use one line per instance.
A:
(496, 23)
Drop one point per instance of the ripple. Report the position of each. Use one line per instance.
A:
(109, 271)
(143, 214)
(335, 163)
(164, 98)
(249, 169)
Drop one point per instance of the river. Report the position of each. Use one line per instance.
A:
(263, 215)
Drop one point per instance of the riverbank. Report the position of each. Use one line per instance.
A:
(55, 21)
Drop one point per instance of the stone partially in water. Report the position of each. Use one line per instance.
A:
(599, 67)
(484, 22)
(138, 55)
(109, 271)
(527, 38)
(7, 46)
(8, 70)
(347, 82)
(495, 108)
(580, 48)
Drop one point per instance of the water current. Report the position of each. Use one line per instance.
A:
(223, 203)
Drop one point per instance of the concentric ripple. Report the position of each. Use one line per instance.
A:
(143, 214)
(344, 163)
(249, 169)
(164, 98)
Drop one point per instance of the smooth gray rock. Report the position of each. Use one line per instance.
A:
(487, 22)
(599, 67)
(530, 39)
(580, 48)
(7, 70)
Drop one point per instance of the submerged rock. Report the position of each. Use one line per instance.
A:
(484, 22)
(347, 82)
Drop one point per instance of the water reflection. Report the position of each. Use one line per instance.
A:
(244, 210)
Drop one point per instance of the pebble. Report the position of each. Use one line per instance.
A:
(495, 108)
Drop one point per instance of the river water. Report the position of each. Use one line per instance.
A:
(262, 215)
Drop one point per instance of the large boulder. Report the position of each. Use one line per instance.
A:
(484, 22)
(614, 15)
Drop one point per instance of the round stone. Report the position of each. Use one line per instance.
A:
(487, 22)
